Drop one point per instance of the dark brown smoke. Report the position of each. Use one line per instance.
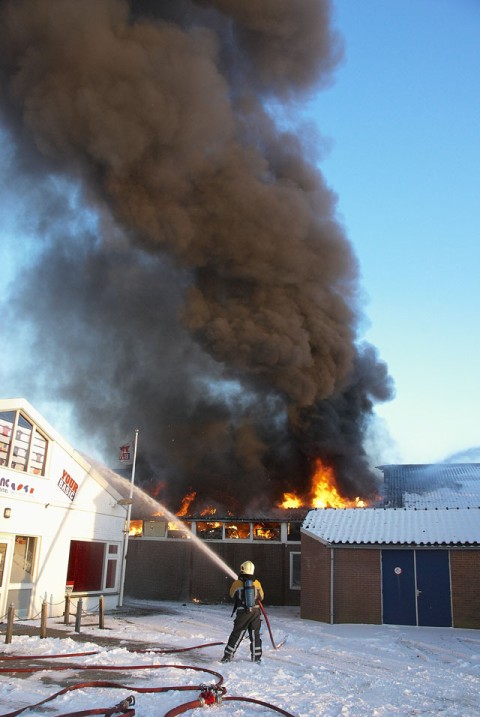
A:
(191, 278)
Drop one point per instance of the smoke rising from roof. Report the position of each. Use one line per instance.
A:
(191, 278)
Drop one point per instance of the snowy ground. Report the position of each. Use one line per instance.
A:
(322, 670)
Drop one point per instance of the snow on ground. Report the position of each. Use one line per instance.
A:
(322, 670)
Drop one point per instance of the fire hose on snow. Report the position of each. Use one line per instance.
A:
(216, 695)
(209, 694)
(275, 647)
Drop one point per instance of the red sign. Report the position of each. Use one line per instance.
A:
(68, 485)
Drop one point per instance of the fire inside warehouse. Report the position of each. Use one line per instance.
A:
(209, 522)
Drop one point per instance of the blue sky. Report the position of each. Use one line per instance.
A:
(402, 127)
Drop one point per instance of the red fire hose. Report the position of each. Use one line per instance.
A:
(125, 708)
(116, 685)
(211, 696)
(275, 647)
(47, 657)
(168, 651)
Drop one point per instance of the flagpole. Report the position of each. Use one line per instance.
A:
(127, 522)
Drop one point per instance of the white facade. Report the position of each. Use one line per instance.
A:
(60, 520)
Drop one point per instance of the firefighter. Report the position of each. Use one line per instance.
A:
(246, 592)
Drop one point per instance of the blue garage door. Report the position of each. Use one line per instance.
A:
(433, 588)
(416, 588)
(398, 583)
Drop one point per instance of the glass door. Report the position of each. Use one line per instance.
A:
(5, 553)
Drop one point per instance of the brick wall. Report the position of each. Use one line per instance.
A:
(357, 586)
(465, 575)
(356, 583)
(315, 597)
(158, 570)
(177, 570)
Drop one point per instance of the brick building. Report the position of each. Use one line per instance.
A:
(165, 563)
(392, 566)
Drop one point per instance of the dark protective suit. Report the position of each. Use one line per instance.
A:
(245, 619)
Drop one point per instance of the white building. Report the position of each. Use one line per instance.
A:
(61, 522)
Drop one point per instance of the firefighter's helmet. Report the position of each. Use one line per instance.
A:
(247, 568)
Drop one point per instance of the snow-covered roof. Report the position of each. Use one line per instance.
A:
(458, 526)
(441, 485)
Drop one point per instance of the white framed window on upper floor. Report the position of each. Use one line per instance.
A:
(23, 446)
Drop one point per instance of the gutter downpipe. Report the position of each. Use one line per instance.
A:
(331, 584)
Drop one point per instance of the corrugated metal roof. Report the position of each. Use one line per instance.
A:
(394, 526)
(441, 485)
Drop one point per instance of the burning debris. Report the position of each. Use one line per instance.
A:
(190, 265)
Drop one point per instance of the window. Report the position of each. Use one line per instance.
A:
(176, 529)
(22, 446)
(21, 443)
(135, 528)
(210, 530)
(87, 563)
(266, 531)
(112, 562)
(23, 559)
(237, 531)
(7, 420)
(154, 528)
(3, 555)
(295, 571)
(293, 532)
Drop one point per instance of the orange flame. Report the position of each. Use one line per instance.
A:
(290, 500)
(186, 503)
(323, 493)
(135, 528)
(209, 510)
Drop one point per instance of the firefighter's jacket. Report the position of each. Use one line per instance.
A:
(236, 592)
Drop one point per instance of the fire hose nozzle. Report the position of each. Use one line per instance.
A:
(212, 695)
(126, 703)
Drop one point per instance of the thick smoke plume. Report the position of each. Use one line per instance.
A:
(191, 278)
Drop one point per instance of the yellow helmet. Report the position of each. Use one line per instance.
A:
(247, 568)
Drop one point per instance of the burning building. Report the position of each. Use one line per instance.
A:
(162, 545)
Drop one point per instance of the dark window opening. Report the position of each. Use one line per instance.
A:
(111, 574)
(266, 531)
(85, 566)
(295, 571)
(294, 531)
